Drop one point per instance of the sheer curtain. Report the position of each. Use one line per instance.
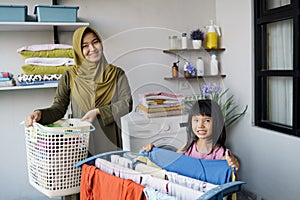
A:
(280, 57)
(277, 3)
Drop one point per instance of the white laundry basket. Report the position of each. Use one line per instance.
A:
(52, 153)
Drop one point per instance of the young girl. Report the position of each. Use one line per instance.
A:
(206, 134)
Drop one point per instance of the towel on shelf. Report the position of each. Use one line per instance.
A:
(44, 47)
(36, 69)
(46, 51)
(160, 104)
(6, 79)
(39, 61)
(8, 83)
(38, 77)
(6, 75)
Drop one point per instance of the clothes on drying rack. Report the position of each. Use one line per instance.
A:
(99, 185)
(190, 182)
(151, 193)
(119, 171)
(156, 172)
(213, 171)
(147, 180)
(174, 186)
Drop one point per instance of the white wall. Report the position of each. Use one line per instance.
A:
(135, 33)
(269, 161)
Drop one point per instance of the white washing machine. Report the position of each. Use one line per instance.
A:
(163, 132)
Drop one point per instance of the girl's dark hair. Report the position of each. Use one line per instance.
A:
(209, 108)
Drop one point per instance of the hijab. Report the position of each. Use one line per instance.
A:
(92, 84)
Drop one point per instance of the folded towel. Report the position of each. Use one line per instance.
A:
(38, 77)
(41, 47)
(4, 79)
(6, 75)
(8, 83)
(50, 61)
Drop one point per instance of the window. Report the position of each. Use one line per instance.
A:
(277, 70)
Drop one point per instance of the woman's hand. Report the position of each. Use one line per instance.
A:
(34, 117)
(91, 115)
(148, 147)
(232, 161)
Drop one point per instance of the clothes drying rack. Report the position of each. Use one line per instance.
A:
(216, 193)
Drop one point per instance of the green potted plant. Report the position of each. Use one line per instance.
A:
(197, 36)
(212, 90)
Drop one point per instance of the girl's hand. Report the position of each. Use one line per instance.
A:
(232, 161)
(148, 147)
(90, 115)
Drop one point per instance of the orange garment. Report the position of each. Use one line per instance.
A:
(98, 185)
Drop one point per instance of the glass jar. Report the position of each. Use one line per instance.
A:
(173, 42)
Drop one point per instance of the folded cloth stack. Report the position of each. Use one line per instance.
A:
(44, 63)
(160, 104)
(32, 79)
(6, 79)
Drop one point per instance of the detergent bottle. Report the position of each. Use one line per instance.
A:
(214, 68)
(200, 67)
(213, 32)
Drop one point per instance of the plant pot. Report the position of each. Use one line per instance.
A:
(197, 44)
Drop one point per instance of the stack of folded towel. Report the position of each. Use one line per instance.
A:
(160, 104)
(6, 79)
(44, 63)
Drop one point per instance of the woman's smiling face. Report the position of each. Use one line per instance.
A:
(91, 47)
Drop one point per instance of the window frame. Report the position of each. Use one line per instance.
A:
(262, 17)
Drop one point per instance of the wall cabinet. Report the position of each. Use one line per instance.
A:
(179, 52)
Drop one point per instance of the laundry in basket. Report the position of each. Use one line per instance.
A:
(52, 152)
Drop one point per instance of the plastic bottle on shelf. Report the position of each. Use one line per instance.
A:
(184, 41)
(212, 34)
(214, 68)
(200, 67)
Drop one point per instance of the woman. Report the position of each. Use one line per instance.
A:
(97, 91)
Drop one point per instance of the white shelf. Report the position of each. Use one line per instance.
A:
(49, 85)
(39, 26)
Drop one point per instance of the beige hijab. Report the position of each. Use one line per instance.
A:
(92, 84)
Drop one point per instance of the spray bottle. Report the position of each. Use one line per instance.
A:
(213, 32)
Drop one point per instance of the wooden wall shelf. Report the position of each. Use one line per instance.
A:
(195, 78)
